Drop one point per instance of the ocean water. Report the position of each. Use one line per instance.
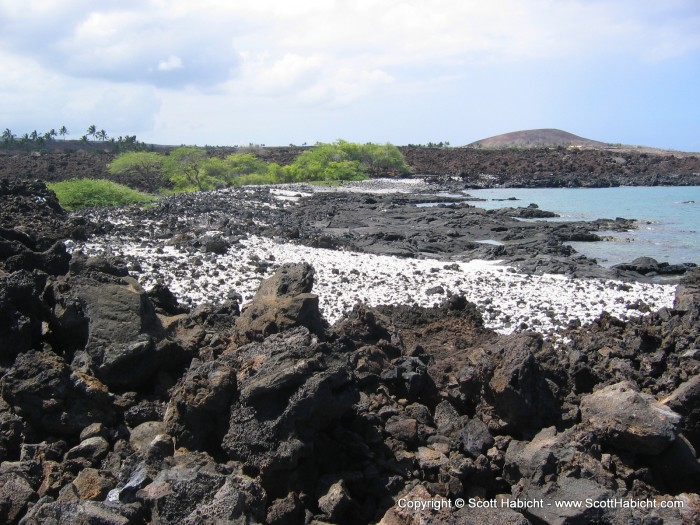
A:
(668, 218)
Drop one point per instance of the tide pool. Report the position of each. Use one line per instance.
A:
(668, 218)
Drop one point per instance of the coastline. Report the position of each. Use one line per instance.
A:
(119, 402)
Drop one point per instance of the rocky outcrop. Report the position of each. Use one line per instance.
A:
(629, 420)
(122, 407)
(111, 328)
(283, 301)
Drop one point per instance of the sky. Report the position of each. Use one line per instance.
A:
(279, 72)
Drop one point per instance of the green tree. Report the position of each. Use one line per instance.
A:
(185, 168)
(138, 165)
(63, 131)
(7, 136)
(92, 131)
(101, 135)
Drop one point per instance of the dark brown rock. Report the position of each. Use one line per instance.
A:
(630, 420)
(283, 301)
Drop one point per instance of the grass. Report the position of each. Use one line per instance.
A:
(75, 194)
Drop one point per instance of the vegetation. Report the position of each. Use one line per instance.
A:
(137, 164)
(35, 141)
(90, 193)
(192, 169)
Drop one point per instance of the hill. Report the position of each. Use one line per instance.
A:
(536, 138)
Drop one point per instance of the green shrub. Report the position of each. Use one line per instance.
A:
(344, 160)
(138, 164)
(90, 193)
(185, 167)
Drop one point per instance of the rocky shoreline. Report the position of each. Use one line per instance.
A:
(119, 404)
(477, 168)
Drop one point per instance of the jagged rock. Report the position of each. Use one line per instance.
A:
(94, 430)
(54, 261)
(165, 301)
(46, 393)
(409, 376)
(191, 487)
(574, 490)
(84, 512)
(430, 458)
(630, 420)
(283, 301)
(515, 385)
(217, 245)
(21, 312)
(475, 437)
(688, 292)
(290, 386)
(96, 265)
(533, 459)
(11, 431)
(93, 484)
(15, 494)
(685, 400)
(198, 410)
(403, 429)
(287, 510)
(115, 326)
(336, 502)
(443, 512)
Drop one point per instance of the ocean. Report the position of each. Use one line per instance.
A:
(668, 218)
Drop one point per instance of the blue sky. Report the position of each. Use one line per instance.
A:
(278, 72)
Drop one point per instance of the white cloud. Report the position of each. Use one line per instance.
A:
(173, 62)
(320, 54)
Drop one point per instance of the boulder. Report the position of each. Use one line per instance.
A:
(113, 328)
(336, 502)
(283, 301)
(84, 512)
(15, 494)
(92, 450)
(685, 400)
(290, 386)
(21, 312)
(442, 512)
(629, 420)
(576, 491)
(191, 486)
(285, 510)
(93, 484)
(198, 411)
(54, 261)
(44, 391)
(515, 385)
(475, 438)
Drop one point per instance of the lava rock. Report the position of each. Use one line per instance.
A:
(283, 301)
(630, 420)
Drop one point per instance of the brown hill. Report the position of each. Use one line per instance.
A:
(536, 138)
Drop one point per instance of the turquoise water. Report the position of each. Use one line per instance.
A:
(668, 227)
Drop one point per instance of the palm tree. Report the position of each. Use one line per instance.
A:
(7, 136)
(101, 135)
(63, 132)
(51, 134)
(33, 136)
(92, 131)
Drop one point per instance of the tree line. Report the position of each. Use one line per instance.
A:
(35, 140)
(190, 168)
